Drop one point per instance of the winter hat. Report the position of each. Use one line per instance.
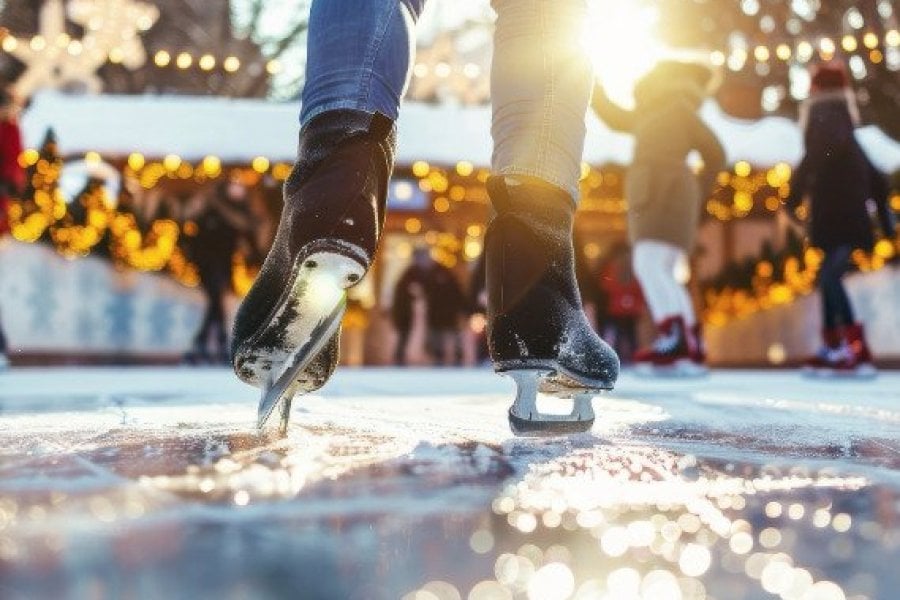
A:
(829, 82)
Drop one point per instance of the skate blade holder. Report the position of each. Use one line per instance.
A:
(526, 420)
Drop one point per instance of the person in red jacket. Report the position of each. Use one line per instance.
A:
(12, 176)
(624, 304)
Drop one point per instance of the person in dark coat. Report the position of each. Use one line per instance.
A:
(665, 199)
(839, 180)
(223, 221)
(445, 306)
(12, 176)
(409, 287)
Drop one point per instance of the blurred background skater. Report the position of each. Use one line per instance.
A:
(624, 302)
(665, 200)
(839, 180)
(12, 177)
(428, 298)
(446, 306)
(408, 310)
(224, 222)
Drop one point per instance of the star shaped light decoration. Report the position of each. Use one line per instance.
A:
(54, 60)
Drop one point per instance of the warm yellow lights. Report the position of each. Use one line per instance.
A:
(9, 44)
(28, 158)
(207, 62)
(464, 168)
(184, 60)
(231, 64)
(849, 44)
(212, 166)
(783, 52)
(260, 164)
(136, 161)
(870, 40)
(171, 162)
(162, 58)
(420, 168)
(413, 226)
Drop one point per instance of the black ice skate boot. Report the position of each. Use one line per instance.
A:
(287, 330)
(537, 331)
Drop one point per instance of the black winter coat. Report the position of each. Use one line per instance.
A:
(839, 180)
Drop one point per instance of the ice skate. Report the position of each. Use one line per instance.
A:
(841, 357)
(672, 354)
(537, 332)
(287, 330)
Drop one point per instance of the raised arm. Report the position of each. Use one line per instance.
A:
(614, 116)
(709, 147)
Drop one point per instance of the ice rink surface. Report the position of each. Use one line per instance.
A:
(153, 483)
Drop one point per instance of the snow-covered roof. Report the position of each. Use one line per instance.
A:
(237, 130)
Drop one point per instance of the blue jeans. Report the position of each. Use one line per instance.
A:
(359, 56)
(836, 308)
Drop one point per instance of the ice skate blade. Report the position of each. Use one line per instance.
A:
(527, 421)
(282, 385)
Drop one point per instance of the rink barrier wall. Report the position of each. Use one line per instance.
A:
(753, 340)
(52, 308)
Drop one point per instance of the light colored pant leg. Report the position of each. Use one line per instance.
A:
(682, 265)
(541, 82)
(654, 266)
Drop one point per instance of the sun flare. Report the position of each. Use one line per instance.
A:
(620, 38)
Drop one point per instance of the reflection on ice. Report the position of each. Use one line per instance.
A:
(659, 522)
(678, 493)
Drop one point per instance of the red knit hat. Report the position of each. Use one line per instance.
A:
(829, 76)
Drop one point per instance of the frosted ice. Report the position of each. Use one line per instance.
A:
(153, 483)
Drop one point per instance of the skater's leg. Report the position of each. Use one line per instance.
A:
(837, 310)
(358, 56)
(400, 350)
(537, 329)
(201, 338)
(654, 265)
(540, 88)
(684, 297)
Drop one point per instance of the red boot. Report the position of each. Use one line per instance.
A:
(856, 339)
(842, 355)
(670, 353)
(831, 353)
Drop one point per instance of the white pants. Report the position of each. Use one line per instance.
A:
(663, 272)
